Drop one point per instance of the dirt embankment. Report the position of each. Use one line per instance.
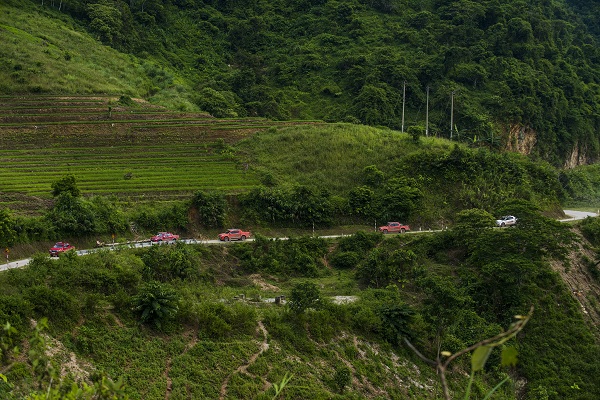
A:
(578, 273)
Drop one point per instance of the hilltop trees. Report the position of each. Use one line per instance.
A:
(511, 65)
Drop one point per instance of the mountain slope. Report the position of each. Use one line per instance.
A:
(524, 73)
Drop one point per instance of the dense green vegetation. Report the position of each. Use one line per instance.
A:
(148, 315)
(328, 176)
(524, 74)
(185, 321)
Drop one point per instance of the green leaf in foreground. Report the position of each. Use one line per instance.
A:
(509, 356)
(479, 357)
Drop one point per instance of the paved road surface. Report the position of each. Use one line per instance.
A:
(572, 214)
(575, 215)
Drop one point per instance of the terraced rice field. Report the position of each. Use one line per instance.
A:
(142, 153)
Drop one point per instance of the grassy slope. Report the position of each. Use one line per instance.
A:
(41, 53)
(199, 364)
(331, 156)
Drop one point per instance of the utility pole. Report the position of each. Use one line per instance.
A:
(427, 114)
(451, 113)
(403, 101)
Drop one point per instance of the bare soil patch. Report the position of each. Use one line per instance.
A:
(584, 288)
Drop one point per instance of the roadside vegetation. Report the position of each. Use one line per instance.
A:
(131, 314)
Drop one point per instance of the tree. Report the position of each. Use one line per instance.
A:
(72, 215)
(372, 176)
(165, 263)
(470, 224)
(66, 184)
(396, 319)
(220, 104)
(373, 105)
(360, 200)
(211, 208)
(415, 132)
(106, 20)
(7, 233)
(399, 198)
(304, 296)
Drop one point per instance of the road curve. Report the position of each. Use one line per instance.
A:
(572, 214)
(575, 215)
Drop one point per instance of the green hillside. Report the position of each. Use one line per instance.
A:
(524, 76)
(83, 168)
(120, 118)
(200, 321)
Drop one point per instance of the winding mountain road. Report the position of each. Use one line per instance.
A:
(572, 214)
(575, 215)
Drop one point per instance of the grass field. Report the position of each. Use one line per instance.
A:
(140, 152)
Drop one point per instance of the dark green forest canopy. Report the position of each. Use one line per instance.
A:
(518, 70)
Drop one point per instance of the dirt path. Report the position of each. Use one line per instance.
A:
(169, 380)
(243, 369)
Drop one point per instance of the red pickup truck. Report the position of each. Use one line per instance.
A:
(233, 234)
(59, 248)
(394, 227)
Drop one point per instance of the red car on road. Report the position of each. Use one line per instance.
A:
(233, 234)
(394, 227)
(164, 237)
(60, 247)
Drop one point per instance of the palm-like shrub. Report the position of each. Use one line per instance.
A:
(156, 303)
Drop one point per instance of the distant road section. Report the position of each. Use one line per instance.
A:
(575, 215)
(572, 214)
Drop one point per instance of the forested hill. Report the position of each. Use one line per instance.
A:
(517, 75)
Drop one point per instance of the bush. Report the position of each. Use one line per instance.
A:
(385, 265)
(32, 229)
(71, 215)
(304, 296)
(66, 184)
(344, 259)
(59, 306)
(342, 377)
(108, 216)
(16, 311)
(297, 205)
(218, 321)
(211, 208)
(360, 242)
(321, 325)
(156, 304)
(7, 232)
(396, 319)
(173, 217)
(165, 263)
(590, 228)
(296, 256)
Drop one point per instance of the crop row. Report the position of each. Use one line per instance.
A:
(104, 122)
(149, 186)
(138, 171)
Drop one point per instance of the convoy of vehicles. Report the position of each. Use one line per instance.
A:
(239, 234)
(394, 227)
(233, 234)
(59, 248)
(507, 220)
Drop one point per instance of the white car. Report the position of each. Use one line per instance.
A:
(507, 220)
